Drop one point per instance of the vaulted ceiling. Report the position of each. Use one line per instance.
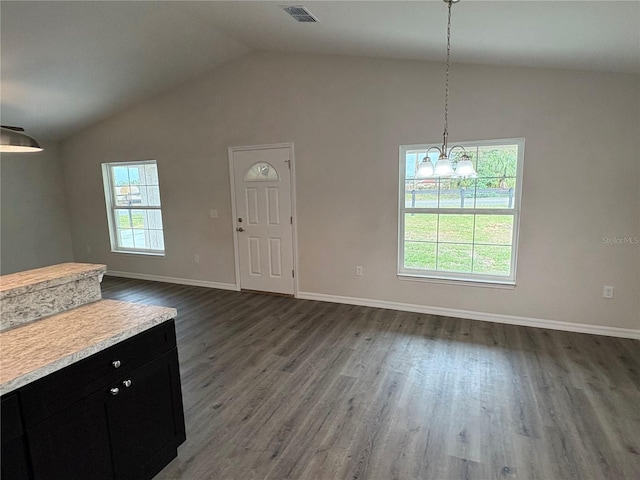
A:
(65, 65)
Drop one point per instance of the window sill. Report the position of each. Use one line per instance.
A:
(506, 284)
(137, 252)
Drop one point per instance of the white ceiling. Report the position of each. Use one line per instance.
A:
(65, 65)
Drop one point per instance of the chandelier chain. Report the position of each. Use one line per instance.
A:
(443, 167)
(446, 85)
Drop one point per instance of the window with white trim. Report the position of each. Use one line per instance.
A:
(461, 228)
(132, 195)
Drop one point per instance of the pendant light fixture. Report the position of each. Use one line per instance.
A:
(13, 139)
(443, 167)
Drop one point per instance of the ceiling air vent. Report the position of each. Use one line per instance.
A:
(300, 13)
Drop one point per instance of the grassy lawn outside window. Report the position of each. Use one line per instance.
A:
(461, 228)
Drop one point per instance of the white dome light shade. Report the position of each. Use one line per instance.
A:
(465, 168)
(425, 169)
(444, 168)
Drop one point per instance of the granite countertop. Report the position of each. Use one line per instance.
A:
(39, 348)
(33, 280)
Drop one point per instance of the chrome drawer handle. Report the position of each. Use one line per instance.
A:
(114, 391)
(116, 363)
(127, 383)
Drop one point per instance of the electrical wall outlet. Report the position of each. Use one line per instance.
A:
(607, 291)
(213, 213)
(358, 271)
(196, 258)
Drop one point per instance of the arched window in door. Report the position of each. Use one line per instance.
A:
(261, 172)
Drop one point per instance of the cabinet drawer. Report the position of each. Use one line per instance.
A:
(46, 396)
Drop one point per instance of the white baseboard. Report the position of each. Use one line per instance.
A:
(409, 307)
(487, 317)
(179, 281)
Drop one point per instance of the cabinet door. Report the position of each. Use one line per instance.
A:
(147, 420)
(13, 455)
(74, 443)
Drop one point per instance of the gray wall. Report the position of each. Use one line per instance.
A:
(35, 229)
(347, 117)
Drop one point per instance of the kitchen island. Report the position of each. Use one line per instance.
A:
(34, 294)
(39, 348)
(92, 391)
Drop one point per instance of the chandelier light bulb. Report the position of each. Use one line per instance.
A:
(444, 168)
(425, 169)
(464, 168)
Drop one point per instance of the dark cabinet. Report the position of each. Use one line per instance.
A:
(145, 424)
(14, 448)
(74, 443)
(118, 414)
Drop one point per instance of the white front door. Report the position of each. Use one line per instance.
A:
(261, 185)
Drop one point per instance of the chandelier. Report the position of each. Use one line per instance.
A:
(443, 167)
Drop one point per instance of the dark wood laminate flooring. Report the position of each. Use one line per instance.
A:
(280, 388)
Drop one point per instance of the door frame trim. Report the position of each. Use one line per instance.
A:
(294, 227)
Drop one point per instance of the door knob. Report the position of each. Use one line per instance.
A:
(239, 229)
(127, 383)
(116, 363)
(114, 391)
